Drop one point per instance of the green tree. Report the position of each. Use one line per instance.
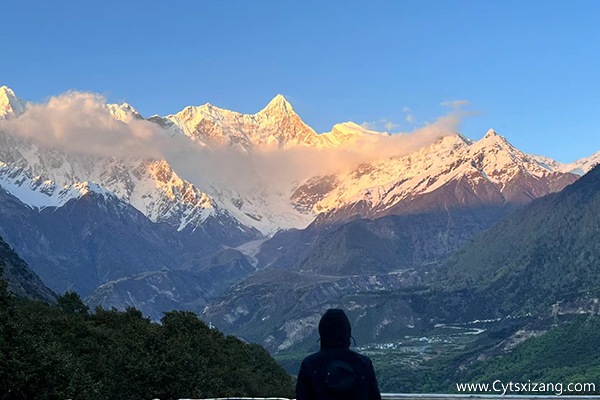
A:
(71, 303)
(62, 351)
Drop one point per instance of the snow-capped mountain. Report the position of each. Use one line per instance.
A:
(10, 104)
(141, 216)
(123, 112)
(49, 177)
(579, 167)
(42, 177)
(40, 193)
(349, 132)
(584, 165)
(453, 172)
(263, 206)
(275, 125)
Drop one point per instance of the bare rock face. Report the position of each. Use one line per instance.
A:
(312, 191)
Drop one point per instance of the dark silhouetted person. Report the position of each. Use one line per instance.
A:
(335, 372)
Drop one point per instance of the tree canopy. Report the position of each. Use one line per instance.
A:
(63, 351)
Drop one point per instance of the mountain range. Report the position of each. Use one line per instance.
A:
(540, 260)
(257, 255)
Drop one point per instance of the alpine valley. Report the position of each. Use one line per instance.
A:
(221, 218)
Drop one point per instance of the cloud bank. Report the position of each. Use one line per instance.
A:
(81, 123)
(78, 122)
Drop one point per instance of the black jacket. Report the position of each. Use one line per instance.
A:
(337, 373)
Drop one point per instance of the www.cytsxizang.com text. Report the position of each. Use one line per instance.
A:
(527, 387)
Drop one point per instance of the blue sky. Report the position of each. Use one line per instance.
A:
(529, 69)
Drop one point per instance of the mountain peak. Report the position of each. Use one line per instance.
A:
(7, 96)
(5, 89)
(123, 112)
(10, 104)
(492, 137)
(279, 100)
(491, 133)
(127, 106)
(278, 105)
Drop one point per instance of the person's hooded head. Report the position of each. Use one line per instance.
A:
(335, 329)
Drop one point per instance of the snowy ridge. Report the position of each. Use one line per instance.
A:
(164, 197)
(583, 165)
(264, 209)
(275, 125)
(348, 132)
(578, 167)
(385, 184)
(44, 177)
(550, 164)
(40, 193)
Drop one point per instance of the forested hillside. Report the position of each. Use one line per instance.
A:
(547, 252)
(62, 351)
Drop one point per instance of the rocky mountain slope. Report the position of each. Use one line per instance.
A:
(350, 265)
(546, 253)
(281, 310)
(22, 281)
(97, 238)
(195, 282)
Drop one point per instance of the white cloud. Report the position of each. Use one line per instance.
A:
(455, 104)
(369, 125)
(381, 125)
(81, 123)
(390, 126)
